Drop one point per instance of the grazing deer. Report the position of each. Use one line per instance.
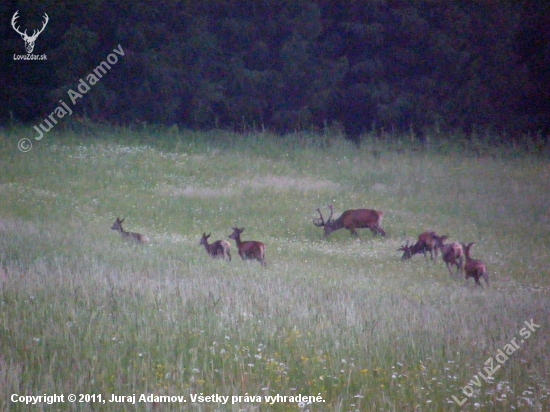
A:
(452, 254)
(136, 237)
(219, 249)
(427, 242)
(249, 249)
(352, 220)
(474, 268)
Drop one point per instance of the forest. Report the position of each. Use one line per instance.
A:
(283, 66)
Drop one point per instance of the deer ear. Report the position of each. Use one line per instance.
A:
(241, 229)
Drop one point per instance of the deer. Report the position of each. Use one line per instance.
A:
(351, 220)
(249, 249)
(29, 40)
(474, 268)
(452, 254)
(219, 249)
(136, 237)
(427, 242)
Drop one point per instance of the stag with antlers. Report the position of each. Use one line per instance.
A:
(29, 40)
(351, 220)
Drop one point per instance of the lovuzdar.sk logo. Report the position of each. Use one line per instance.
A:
(29, 40)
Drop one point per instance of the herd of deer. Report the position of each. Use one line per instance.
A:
(457, 254)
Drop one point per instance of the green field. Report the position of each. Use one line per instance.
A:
(84, 312)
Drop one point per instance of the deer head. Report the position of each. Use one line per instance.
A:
(236, 233)
(327, 225)
(204, 239)
(406, 249)
(118, 225)
(29, 40)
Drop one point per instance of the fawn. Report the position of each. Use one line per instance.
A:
(474, 268)
(136, 237)
(249, 249)
(427, 242)
(219, 249)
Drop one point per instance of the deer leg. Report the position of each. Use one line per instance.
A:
(261, 259)
(477, 281)
(425, 255)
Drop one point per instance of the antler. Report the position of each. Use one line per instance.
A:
(320, 222)
(35, 32)
(331, 212)
(13, 19)
(403, 248)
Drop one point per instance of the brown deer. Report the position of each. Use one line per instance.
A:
(219, 249)
(136, 237)
(249, 249)
(351, 220)
(427, 242)
(452, 254)
(474, 268)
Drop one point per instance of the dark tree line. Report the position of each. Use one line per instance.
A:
(287, 65)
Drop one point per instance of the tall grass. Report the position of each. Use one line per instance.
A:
(85, 312)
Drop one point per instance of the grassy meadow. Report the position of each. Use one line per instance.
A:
(84, 312)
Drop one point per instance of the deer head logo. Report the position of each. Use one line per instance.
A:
(29, 40)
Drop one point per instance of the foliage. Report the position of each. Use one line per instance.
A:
(291, 65)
